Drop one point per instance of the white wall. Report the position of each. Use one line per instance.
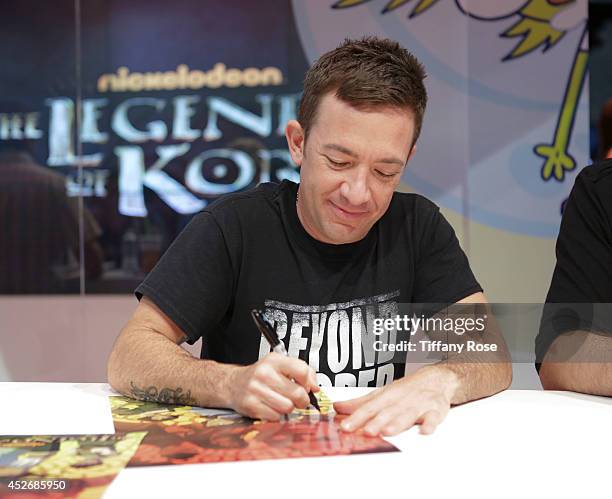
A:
(61, 338)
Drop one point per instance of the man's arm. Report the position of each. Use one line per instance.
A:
(425, 397)
(579, 357)
(579, 361)
(480, 374)
(147, 363)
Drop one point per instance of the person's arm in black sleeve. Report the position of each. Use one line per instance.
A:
(183, 298)
(574, 344)
(424, 397)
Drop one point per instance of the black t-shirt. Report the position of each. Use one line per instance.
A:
(583, 273)
(249, 250)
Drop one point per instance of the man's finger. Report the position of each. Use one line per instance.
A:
(289, 390)
(430, 421)
(404, 420)
(362, 415)
(272, 398)
(350, 406)
(314, 385)
(297, 370)
(254, 407)
(384, 418)
(265, 412)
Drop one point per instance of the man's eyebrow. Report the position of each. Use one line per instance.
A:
(392, 161)
(342, 149)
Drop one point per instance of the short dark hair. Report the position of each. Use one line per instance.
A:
(365, 73)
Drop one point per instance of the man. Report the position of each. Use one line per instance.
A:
(321, 259)
(574, 345)
(40, 225)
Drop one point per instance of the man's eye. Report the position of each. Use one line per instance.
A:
(385, 175)
(339, 164)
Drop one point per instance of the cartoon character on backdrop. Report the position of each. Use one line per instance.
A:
(495, 68)
(541, 24)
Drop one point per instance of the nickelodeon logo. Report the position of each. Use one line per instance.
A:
(185, 78)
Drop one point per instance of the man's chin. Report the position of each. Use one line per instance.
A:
(344, 234)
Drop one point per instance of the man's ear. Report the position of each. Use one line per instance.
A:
(412, 151)
(295, 141)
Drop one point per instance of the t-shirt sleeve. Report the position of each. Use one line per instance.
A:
(193, 281)
(442, 270)
(583, 271)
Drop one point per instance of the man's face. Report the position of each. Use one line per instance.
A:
(350, 166)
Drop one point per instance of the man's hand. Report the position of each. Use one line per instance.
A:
(273, 386)
(423, 398)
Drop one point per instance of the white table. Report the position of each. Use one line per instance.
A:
(515, 444)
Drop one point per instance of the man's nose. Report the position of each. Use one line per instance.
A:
(356, 189)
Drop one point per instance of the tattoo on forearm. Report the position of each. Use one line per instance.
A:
(164, 395)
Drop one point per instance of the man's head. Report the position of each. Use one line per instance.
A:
(360, 116)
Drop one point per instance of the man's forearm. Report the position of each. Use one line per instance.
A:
(475, 373)
(579, 361)
(148, 366)
(474, 380)
(480, 374)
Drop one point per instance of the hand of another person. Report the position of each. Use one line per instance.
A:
(273, 386)
(423, 398)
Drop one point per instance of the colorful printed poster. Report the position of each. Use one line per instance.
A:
(187, 435)
(80, 466)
